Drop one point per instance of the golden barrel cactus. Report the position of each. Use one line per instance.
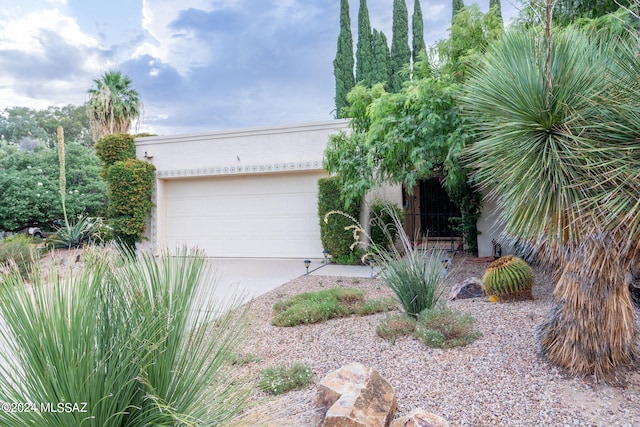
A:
(508, 278)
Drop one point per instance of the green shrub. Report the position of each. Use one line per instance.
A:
(395, 326)
(383, 230)
(445, 328)
(281, 379)
(135, 343)
(316, 307)
(115, 148)
(508, 278)
(130, 191)
(18, 249)
(335, 236)
(320, 306)
(373, 306)
(352, 258)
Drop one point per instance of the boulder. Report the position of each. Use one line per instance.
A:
(420, 418)
(356, 396)
(468, 288)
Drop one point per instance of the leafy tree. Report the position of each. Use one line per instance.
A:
(456, 7)
(381, 58)
(19, 123)
(471, 33)
(113, 105)
(495, 5)
(400, 50)
(364, 52)
(558, 146)
(29, 185)
(343, 63)
(417, 29)
(568, 11)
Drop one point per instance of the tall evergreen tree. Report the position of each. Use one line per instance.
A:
(380, 73)
(343, 64)
(364, 52)
(498, 10)
(417, 28)
(400, 50)
(456, 6)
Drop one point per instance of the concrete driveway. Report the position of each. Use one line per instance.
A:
(253, 277)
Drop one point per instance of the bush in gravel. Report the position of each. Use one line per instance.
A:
(281, 379)
(445, 328)
(320, 306)
(373, 306)
(395, 326)
(17, 249)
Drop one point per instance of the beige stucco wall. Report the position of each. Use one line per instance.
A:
(265, 150)
(491, 227)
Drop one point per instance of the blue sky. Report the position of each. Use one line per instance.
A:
(199, 65)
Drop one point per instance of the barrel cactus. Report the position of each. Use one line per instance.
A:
(508, 278)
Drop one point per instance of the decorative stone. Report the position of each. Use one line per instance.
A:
(420, 418)
(356, 396)
(468, 288)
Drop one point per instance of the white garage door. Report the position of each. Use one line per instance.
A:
(270, 215)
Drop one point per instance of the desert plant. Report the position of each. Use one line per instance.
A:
(557, 145)
(383, 230)
(395, 326)
(281, 379)
(85, 231)
(134, 344)
(508, 278)
(445, 328)
(17, 250)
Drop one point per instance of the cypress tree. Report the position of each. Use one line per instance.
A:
(364, 52)
(417, 28)
(400, 50)
(456, 7)
(498, 10)
(343, 64)
(380, 73)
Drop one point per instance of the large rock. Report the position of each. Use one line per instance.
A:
(420, 418)
(468, 288)
(356, 396)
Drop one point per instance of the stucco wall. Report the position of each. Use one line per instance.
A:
(491, 227)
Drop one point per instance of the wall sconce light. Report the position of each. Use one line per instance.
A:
(372, 264)
(307, 263)
(148, 154)
(326, 256)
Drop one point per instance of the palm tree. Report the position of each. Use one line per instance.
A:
(113, 105)
(558, 149)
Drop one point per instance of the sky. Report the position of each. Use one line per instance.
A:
(198, 65)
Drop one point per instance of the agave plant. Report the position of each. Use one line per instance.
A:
(557, 148)
(124, 342)
(84, 231)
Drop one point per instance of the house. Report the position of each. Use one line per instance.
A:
(253, 192)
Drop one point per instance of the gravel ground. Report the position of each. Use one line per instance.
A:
(499, 380)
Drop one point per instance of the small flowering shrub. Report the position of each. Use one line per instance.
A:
(445, 328)
(395, 326)
(281, 379)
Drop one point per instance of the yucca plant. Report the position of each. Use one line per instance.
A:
(558, 120)
(84, 231)
(131, 342)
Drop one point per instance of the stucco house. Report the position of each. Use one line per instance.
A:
(253, 192)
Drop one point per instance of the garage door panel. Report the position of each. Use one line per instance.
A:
(271, 215)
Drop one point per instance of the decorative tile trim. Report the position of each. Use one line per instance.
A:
(240, 169)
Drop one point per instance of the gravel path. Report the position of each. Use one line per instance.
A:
(499, 380)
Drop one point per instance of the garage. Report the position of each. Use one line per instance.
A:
(272, 216)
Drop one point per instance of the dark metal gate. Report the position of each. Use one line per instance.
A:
(428, 211)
